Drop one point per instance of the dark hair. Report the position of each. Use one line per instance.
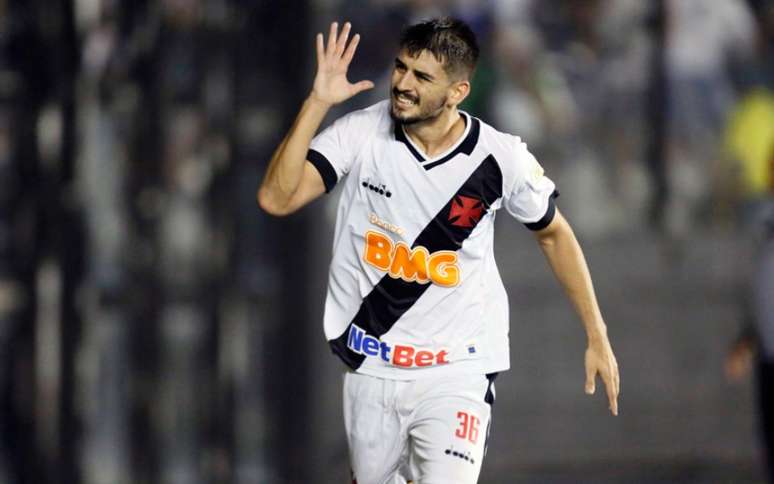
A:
(450, 40)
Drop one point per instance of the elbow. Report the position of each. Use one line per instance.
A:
(557, 231)
(270, 206)
(547, 241)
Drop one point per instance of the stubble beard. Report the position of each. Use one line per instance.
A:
(425, 114)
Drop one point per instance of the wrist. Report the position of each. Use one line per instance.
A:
(596, 333)
(315, 101)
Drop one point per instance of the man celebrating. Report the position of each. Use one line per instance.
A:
(415, 305)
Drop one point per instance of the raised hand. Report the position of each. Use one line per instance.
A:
(330, 84)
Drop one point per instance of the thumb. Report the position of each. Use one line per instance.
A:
(591, 373)
(362, 86)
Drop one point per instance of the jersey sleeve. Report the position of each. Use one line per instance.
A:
(530, 198)
(334, 149)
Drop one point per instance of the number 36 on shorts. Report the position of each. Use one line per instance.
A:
(468, 426)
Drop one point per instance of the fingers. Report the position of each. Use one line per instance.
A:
(606, 365)
(612, 394)
(332, 38)
(613, 405)
(362, 86)
(613, 386)
(341, 42)
(336, 46)
(350, 52)
(320, 48)
(591, 373)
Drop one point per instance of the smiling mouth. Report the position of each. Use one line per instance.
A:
(404, 101)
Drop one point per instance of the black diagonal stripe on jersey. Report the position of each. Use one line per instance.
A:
(391, 298)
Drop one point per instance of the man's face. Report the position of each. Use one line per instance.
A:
(419, 88)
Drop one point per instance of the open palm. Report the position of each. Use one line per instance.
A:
(330, 84)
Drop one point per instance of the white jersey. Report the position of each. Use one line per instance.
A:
(413, 290)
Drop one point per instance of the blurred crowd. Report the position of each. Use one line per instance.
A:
(629, 101)
(144, 300)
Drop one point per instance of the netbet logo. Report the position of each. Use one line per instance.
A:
(405, 356)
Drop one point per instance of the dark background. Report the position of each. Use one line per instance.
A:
(157, 327)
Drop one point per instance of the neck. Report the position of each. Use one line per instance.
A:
(436, 135)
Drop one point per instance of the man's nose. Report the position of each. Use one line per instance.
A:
(404, 82)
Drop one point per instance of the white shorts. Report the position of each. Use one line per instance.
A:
(429, 431)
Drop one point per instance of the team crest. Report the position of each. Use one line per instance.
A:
(465, 211)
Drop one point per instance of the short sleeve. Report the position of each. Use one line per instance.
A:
(334, 149)
(531, 197)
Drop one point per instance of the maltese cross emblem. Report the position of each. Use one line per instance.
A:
(465, 211)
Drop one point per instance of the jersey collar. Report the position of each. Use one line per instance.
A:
(466, 143)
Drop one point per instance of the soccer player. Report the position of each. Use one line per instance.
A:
(415, 304)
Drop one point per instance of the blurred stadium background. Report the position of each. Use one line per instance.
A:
(156, 327)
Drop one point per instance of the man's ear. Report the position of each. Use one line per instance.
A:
(459, 91)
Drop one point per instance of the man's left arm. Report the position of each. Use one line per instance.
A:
(561, 248)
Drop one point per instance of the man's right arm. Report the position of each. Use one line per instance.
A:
(291, 181)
